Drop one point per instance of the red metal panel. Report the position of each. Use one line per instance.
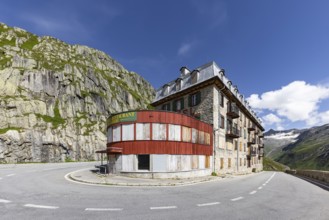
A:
(166, 147)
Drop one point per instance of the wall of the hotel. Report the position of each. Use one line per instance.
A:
(165, 163)
(227, 158)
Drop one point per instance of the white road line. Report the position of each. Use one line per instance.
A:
(4, 201)
(237, 199)
(163, 207)
(13, 174)
(40, 206)
(253, 192)
(208, 204)
(260, 187)
(264, 184)
(103, 209)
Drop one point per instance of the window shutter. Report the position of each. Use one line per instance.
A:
(198, 98)
(174, 105)
(163, 107)
(190, 101)
(182, 103)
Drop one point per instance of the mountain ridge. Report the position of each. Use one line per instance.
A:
(55, 97)
(308, 149)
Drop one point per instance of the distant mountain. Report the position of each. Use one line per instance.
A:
(275, 141)
(55, 97)
(299, 149)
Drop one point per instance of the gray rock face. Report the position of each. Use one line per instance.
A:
(55, 97)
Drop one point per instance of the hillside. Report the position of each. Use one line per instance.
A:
(300, 149)
(55, 97)
(310, 151)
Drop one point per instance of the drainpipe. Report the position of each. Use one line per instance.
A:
(214, 132)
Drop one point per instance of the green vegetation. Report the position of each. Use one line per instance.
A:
(11, 42)
(271, 165)
(4, 130)
(68, 159)
(4, 61)
(56, 120)
(29, 44)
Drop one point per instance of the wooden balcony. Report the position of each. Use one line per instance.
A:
(233, 110)
(261, 134)
(251, 127)
(232, 132)
(251, 141)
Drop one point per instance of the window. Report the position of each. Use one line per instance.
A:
(142, 131)
(222, 122)
(128, 132)
(195, 99)
(143, 162)
(178, 84)
(221, 99)
(207, 138)
(229, 162)
(178, 104)
(116, 133)
(221, 163)
(159, 131)
(166, 107)
(194, 135)
(174, 133)
(240, 145)
(186, 134)
(194, 76)
(109, 135)
(201, 137)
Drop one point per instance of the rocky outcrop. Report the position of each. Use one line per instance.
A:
(55, 97)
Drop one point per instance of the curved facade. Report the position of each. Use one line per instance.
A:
(159, 143)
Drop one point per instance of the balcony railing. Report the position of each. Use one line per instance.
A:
(251, 140)
(261, 134)
(232, 132)
(251, 127)
(233, 110)
(252, 152)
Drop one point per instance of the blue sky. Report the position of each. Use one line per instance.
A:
(276, 51)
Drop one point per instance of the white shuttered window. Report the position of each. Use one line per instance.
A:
(128, 132)
(174, 133)
(159, 131)
(142, 131)
(116, 133)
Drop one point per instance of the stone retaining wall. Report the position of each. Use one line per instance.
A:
(314, 174)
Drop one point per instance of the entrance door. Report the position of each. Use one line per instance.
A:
(144, 162)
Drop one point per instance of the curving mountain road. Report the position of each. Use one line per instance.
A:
(40, 191)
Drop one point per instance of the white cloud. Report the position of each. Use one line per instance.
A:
(297, 101)
(271, 119)
(184, 49)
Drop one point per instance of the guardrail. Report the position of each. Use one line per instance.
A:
(314, 174)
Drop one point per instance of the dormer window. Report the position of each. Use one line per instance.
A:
(165, 90)
(195, 76)
(178, 84)
(184, 71)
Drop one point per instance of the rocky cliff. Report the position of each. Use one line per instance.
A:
(55, 97)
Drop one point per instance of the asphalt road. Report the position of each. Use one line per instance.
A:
(40, 191)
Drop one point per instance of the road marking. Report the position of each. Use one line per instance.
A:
(208, 204)
(253, 192)
(264, 184)
(237, 199)
(260, 187)
(13, 174)
(40, 206)
(163, 207)
(103, 209)
(4, 201)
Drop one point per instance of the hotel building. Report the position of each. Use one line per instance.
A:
(202, 124)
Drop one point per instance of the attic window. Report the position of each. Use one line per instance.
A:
(165, 90)
(178, 84)
(194, 76)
